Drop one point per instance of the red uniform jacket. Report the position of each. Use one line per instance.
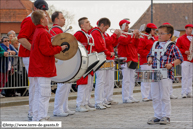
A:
(144, 48)
(99, 40)
(127, 47)
(111, 42)
(42, 60)
(80, 36)
(184, 44)
(27, 31)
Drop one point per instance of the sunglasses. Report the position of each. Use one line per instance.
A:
(6, 41)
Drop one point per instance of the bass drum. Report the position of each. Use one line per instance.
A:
(73, 69)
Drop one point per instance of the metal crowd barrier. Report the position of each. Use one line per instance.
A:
(14, 76)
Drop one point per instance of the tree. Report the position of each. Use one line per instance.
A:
(69, 18)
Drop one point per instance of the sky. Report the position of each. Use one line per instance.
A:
(114, 10)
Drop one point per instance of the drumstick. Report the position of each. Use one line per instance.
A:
(70, 27)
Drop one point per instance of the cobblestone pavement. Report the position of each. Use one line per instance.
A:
(118, 116)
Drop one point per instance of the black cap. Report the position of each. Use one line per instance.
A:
(41, 4)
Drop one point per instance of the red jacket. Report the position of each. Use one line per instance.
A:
(27, 31)
(144, 48)
(184, 44)
(100, 45)
(42, 60)
(80, 36)
(127, 47)
(111, 42)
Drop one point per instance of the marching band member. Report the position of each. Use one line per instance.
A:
(144, 48)
(61, 97)
(128, 48)
(183, 43)
(85, 85)
(25, 38)
(111, 42)
(100, 46)
(42, 65)
(160, 91)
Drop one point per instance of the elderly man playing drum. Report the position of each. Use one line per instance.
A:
(61, 98)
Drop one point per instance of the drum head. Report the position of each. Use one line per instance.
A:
(70, 41)
(66, 70)
(90, 68)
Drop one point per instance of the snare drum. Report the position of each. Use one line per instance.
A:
(93, 61)
(120, 60)
(148, 76)
(73, 69)
(102, 60)
(109, 64)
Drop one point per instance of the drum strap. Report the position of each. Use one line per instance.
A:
(100, 33)
(164, 49)
(88, 38)
(53, 31)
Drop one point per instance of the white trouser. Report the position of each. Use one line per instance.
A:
(89, 89)
(61, 98)
(31, 86)
(146, 86)
(128, 82)
(41, 97)
(84, 92)
(186, 77)
(171, 88)
(99, 87)
(109, 85)
(160, 92)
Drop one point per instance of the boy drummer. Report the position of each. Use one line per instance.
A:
(161, 89)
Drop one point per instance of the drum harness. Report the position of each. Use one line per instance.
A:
(88, 40)
(162, 51)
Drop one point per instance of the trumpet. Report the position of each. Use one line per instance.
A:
(127, 33)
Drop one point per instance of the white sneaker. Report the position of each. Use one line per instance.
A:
(69, 112)
(81, 108)
(113, 102)
(189, 95)
(89, 108)
(173, 96)
(45, 119)
(107, 106)
(184, 96)
(145, 100)
(128, 101)
(135, 100)
(91, 105)
(63, 114)
(100, 106)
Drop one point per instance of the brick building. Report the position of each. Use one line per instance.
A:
(12, 12)
(177, 14)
